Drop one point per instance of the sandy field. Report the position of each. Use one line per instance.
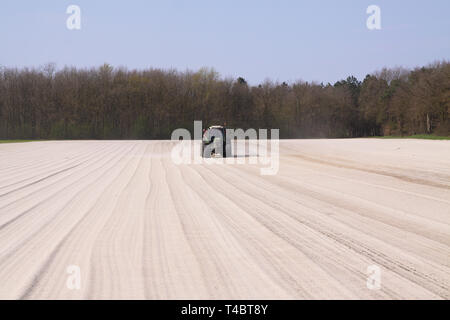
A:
(121, 220)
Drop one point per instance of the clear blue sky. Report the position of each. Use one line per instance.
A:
(321, 40)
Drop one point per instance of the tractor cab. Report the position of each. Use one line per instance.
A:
(215, 142)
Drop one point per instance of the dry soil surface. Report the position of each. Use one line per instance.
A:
(137, 225)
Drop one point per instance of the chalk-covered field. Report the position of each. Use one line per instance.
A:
(136, 225)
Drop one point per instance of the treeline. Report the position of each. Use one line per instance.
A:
(116, 103)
